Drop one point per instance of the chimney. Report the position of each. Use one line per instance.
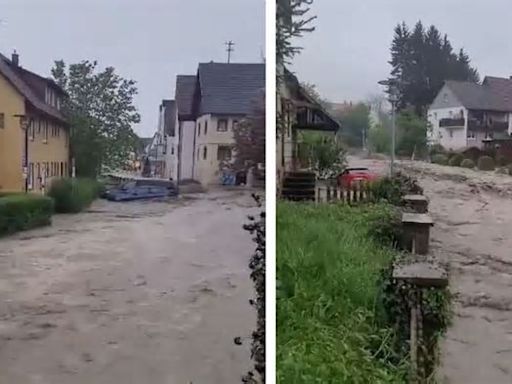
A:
(15, 58)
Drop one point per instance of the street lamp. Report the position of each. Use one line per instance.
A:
(393, 99)
(25, 124)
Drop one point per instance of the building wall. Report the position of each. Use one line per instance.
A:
(188, 133)
(171, 157)
(48, 153)
(208, 140)
(450, 138)
(11, 138)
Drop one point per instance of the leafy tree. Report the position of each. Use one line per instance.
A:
(355, 123)
(411, 133)
(325, 155)
(101, 112)
(249, 137)
(379, 139)
(421, 61)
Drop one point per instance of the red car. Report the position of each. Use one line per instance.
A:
(355, 175)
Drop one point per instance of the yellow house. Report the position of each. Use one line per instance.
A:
(34, 135)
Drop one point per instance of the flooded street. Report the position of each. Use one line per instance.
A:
(472, 212)
(141, 292)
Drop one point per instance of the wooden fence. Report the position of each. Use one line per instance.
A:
(352, 195)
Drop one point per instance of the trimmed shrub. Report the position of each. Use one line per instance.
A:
(467, 163)
(73, 195)
(486, 163)
(20, 212)
(440, 159)
(455, 160)
(501, 161)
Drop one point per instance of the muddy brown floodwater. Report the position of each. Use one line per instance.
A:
(472, 212)
(132, 293)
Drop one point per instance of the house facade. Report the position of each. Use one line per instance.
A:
(207, 107)
(34, 135)
(297, 112)
(465, 114)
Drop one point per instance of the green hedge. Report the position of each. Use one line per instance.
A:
(73, 195)
(440, 159)
(19, 212)
(467, 163)
(486, 163)
(456, 160)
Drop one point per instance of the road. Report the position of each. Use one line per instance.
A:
(130, 293)
(472, 212)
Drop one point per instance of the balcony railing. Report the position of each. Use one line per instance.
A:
(452, 123)
(478, 125)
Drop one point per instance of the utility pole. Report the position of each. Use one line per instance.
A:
(230, 49)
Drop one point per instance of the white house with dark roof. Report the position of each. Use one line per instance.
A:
(207, 107)
(465, 114)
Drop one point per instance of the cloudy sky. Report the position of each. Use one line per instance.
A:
(349, 51)
(150, 41)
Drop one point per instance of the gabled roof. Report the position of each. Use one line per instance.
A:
(23, 81)
(494, 94)
(184, 96)
(229, 88)
(169, 116)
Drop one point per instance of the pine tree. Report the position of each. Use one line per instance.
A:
(421, 62)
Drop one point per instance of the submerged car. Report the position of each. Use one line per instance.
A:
(354, 176)
(139, 189)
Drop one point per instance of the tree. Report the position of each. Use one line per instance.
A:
(421, 61)
(355, 123)
(249, 137)
(292, 23)
(101, 113)
(324, 153)
(411, 133)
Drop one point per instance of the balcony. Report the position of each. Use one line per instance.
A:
(452, 123)
(496, 126)
(315, 120)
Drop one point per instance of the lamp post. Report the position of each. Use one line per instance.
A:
(393, 98)
(25, 124)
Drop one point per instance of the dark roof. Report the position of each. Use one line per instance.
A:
(26, 83)
(494, 94)
(184, 96)
(229, 88)
(169, 116)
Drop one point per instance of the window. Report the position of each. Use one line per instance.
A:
(62, 168)
(2, 121)
(198, 129)
(205, 152)
(223, 153)
(435, 115)
(172, 149)
(445, 97)
(32, 130)
(471, 135)
(235, 124)
(197, 153)
(205, 127)
(222, 125)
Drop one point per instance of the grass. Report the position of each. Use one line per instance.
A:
(328, 325)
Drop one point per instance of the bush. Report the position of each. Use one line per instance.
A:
(467, 163)
(393, 189)
(20, 212)
(73, 195)
(456, 160)
(440, 159)
(437, 149)
(501, 161)
(486, 163)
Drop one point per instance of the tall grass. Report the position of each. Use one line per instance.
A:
(328, 327)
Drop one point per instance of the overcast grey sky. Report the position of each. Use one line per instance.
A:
(150, 41)
(349, 51)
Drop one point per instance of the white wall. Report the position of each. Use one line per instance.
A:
(206, 169)
(187, 149)
(450, 138)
